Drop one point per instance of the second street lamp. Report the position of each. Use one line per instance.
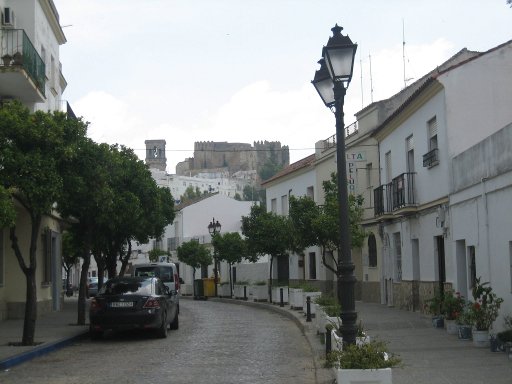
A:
(331, 82)
(214, 228)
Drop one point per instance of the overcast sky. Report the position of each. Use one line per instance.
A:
(241, 70)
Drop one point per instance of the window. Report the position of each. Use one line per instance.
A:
(273, 205)
(311, 193)
(284, 205)
(369, 175)
(372, 251)
(432, 134)
(171, 244)
(398, 255)
(312, 265)
(47, 256)
(409, 148)
(387, 164)
(472, 266)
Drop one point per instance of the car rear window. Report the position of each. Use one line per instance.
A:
(113, 287)
(164, 273)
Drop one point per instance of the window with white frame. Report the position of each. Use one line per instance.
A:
(310, 192)
(409, 148)
(369, 175)
(284, 205)
(387, 164)
(432, 133)
(273, 205)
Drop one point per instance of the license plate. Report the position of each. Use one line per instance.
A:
(121, 304)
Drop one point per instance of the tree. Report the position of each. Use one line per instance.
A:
(269, 169)
(33, 146)
(154, 254)
(194, 254)
(7, 211)
(267, 234)
(231, 248)
(85, 173)
(326, 225)
(303, 213)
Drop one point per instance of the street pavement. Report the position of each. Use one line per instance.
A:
(429, 354)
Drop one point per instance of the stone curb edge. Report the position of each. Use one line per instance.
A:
(39, 351)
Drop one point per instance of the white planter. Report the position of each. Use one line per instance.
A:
(360, 376)
(186, 289)
(481, 339)
(223, 290)
(313, 296)
(259, 292)
(276, 295)
(362, 340)
(322, 320)
(238, 291)
(295, 295)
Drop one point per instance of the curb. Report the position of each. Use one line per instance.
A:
(39, 351)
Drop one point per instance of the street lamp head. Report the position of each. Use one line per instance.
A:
(323, 84)
(214, 227)
(339, 55)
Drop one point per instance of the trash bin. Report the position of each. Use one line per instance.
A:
(209, 287)
(198, 288)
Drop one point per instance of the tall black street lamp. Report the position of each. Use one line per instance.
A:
(214, 228)
(331, 82)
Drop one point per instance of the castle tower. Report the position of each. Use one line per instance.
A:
(155, 154)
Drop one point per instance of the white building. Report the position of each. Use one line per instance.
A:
(428, 218)
(30, 71)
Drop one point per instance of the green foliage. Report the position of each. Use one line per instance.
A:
(452, 305)
(303, 213)
(434, 304)
(7, 211)
(486, 306)
(372, 355)
(230, 247)
(155, 254)
(191, 194)
(194, 254)
(238, 197)
(329, 304)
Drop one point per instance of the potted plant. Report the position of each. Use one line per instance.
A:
(370, 362)
(223, 289)
(483, 312)
(7, 59)
(295, 297)
(327, 312)
(276, 293)
(463, 322)
(451, 307)
(241, 289)
(433, 307)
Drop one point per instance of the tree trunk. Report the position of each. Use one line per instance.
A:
(125, 259)
(29, 323)
(82, 293)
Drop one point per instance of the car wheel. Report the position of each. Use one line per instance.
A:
(162, 331)
(94, 334)
(175, 323)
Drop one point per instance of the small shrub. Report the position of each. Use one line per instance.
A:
(260, 282)
(372, 355)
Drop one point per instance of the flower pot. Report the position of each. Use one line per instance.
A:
(451, 327)
(437, 321)
(464, 332)
(295, 295)
(223, 290)
(260, 292)
(351, 376)
(6, 59)
(481, 339)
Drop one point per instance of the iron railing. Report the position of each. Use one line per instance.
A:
(398, 194)
(431, 158)
(330, 142)
(16, 49)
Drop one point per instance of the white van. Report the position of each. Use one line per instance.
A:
(167, 272)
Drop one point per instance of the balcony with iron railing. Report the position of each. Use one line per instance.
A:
(431, 158)
(330, 142)
(18, 55)
(397, 197)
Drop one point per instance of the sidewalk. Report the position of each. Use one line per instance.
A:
(429, 354)
(53, 330)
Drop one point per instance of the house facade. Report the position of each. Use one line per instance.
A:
(436, 229)
(30, 71)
